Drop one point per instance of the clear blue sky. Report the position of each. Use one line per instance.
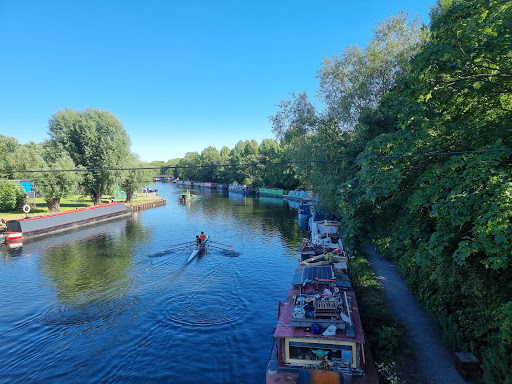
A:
(180, 76)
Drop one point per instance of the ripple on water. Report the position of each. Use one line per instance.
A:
(202, 310)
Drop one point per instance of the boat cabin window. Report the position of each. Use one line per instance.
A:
(307, 352)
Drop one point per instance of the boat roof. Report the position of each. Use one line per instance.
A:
(38, 223)
(286, 329)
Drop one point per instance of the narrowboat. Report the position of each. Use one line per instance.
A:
(208, 185)
(242, 189)
(272, 192)
(299, 195)
(319, 333)
(39, 225)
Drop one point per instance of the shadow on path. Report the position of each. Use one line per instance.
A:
(434, 361)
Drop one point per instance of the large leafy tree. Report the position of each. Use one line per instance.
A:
(96, 140)
(358, 78)
(27, 157)
(190, 166)
(210, 156)
(7, 145)
(352, 85)
(297, 116)
(54, 186)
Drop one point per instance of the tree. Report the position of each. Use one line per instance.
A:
(190, 166)
(7, 145)
(28, 157)
(210, 156)
(95, 139)
(56, 185)
(297, 116)
(358, 78)
(136, 178)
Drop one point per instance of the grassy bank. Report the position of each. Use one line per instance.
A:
(39, 206)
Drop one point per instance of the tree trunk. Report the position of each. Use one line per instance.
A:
(53, 204)
(129, 196)
(96, 199)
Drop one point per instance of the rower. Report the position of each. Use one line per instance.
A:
(198, 241)
(202, 237)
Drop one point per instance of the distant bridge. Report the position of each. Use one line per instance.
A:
(162, 177)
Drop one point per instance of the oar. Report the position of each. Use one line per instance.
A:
(175, 245)
(221, 244)
(224, 249)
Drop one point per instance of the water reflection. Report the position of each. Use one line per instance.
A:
(85, 264)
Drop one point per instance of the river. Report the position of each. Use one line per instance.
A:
(113, 303)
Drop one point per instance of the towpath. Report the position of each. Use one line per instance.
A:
(434, 362)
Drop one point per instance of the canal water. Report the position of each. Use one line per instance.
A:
(114, 302)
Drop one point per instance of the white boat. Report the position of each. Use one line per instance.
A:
(198, 249)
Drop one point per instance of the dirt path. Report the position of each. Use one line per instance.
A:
(434, 362)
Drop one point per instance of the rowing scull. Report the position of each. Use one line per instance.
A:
(199, 248)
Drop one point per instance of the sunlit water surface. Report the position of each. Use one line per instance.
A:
(113, 303)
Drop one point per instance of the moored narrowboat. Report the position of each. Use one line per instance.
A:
(208, 185)
(299, 195)
(242, 189)
(318, 329)
(39, 225)
(272, 192)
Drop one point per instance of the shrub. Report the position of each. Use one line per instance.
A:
(11, 195)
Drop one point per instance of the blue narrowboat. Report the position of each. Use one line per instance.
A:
(245, 190)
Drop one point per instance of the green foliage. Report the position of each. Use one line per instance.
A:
(446, 220)
(56, 185)
(358, 79)
(26, 157)
(136, 178)
(296, 117)
(388, 372)
(7, 146)
(94, 139)
(11, 195)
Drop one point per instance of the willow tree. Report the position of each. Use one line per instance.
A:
(96, 140)
(59, 181)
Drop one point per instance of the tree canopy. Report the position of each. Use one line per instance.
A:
(56, 185)
(94, 139)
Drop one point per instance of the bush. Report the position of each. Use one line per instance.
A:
(11, 195)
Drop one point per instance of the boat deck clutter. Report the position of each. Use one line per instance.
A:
(319, 332)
